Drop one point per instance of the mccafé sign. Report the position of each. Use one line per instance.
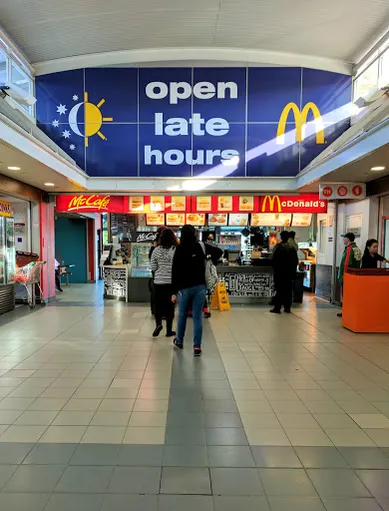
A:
(305, 203)
(89, 204)
(83, 202)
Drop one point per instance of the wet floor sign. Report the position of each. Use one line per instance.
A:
(220, 298)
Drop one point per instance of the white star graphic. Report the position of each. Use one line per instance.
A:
(55, 123)
(72, 147)
(66, 133)
(75, 97)
(61, 109)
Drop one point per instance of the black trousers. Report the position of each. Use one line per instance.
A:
(284, 292)
(164, 307)
(57, 280)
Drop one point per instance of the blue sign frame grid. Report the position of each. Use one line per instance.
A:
(192, 122)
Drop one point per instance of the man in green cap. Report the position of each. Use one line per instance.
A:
(351, 257)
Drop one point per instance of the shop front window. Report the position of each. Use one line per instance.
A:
(21, 80)
(3, 68)
(367, 81)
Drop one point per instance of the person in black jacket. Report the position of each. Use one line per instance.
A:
(188, 281)
(285, 263)
(371, 256)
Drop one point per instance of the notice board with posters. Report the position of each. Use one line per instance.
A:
(115, 282)
(248, 282)
(192, 122)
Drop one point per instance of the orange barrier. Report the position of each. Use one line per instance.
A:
(365, 300)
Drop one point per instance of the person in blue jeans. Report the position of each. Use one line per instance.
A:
(188, 282)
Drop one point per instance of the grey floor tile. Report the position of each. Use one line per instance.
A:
(34, 479)
(184, 419)
(351, 505)
(230, 456)
(275, 457)
(23, 501)
(185, 436)
(13, 453)
(233, 503)
(286, 483)
(83, 502)
(226, 436)
(185, 480)
(220, 405)
(185, 456)
(295, 504)
(222, 420)
(140, 455)
(236, 481)
(130, 503)
(96, 454)
(185, 404)
(212, 394)
(376, 481)
(85, 480)
(6, 471)
(185, 502)
(50, 454)
(337, 483)
(137, 480)
(321, 457)
(365, 457)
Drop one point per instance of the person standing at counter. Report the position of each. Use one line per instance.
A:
(161, 265)
(371, 257)
(292, 240)
(351, 258)
(188, 279)
(285, 263)
(151, 281)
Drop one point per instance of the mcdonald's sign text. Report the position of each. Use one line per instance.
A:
(306, 203)
(300, 119)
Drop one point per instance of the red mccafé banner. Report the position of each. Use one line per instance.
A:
(301, 203)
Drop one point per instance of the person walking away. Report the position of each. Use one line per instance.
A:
(371, 257)
(161, 265)
(285, 263)
(292, 240)
(351, 258)
(188, 279)
(151, 281)
(58, 276)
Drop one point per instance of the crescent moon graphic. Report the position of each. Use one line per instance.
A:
(73, 119)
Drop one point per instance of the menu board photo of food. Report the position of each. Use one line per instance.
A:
(271, 219)
(301, 219)
(178, 203)
(155, 219)
(157, 203)
(216, 219)
(224, 203)
(239, 220)
(196, 219)
(246, 203)
(204, 203)
(137, 204)
(175, 219)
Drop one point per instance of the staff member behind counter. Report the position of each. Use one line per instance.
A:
(371, 257)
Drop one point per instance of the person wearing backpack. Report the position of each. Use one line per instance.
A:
(192, 273)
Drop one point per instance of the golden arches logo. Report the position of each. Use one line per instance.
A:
(300, 119)
(271, 200)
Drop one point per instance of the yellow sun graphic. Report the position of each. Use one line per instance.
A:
(93, 119)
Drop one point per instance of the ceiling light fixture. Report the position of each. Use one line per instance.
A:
(13, 168)
(376, 169)
(49, 184)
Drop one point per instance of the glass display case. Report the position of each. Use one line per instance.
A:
(140, 264)
(10, 250)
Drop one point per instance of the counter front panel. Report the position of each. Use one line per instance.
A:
(246, 284)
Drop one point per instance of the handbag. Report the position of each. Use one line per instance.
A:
(211, 276)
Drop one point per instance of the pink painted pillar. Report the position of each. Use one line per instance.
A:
(47, 249)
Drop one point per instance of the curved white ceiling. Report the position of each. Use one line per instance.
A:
(56, 29)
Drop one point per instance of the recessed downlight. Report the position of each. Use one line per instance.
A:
(49, 184)
(376, 169)
(13, 168)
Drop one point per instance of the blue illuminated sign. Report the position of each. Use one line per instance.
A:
(184, 122)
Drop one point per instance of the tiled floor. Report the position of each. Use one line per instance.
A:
(281, 413)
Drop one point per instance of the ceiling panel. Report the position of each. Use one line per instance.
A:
(52, 29)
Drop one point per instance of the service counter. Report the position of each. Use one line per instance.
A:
(119, 284)
(365, 298)
(248, 284)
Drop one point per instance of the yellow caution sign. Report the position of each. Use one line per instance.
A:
(220, 298)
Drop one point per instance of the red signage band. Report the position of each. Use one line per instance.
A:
(302, 203)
